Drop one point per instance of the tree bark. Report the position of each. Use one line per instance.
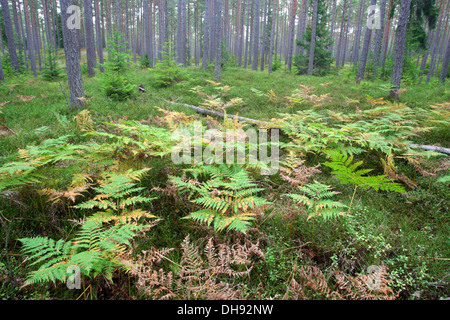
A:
(291, 36)
(379, 37)
(99, 36)
(272, 36)
(72, 52)
(264, 36)
(10, 35)
(2, 75)
(341, 35)
(183, 34)
(302, 20)
(434, 51)
(90, 38)
(445, 64)
(400, 47)
(206, 36)
(256, 35)
(249, 9)
(312, 50)
(357, 41)
(365, 51)
(30, 42)
(218, 36)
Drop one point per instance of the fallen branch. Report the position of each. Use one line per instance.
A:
(219, 114)
(431, 148)
(262, 123)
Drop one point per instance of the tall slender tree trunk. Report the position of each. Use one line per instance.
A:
(98, 31)
(302, 19)
(357, 41)
(365, 51)
(162, 27)
(312, 50)
(400, 40)
(256, 35)
(247, 36)
(238, 50)
(347, 27)
(17, 26)
(272, 36)
(218, 35)
(35, 30)
(72, 53)
(90, 38)
(264, 37)
(445, 63)
(387, 33)
(206, 35)
(30, 42)
(183, 34)
(147, 33)
(10, 35)
(333, 22)
(290, 46)
(379, 37)
(434, 51)
(341, 35)
(2, 75)
(48, 31)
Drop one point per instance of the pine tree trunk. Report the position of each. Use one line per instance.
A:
(2, 75)
(218, 36)
(290, 46)
(72, 52)
(183, 34)
(357, 41)
(247, 36)
(147, 34)
(379, 37)
(445, 63)
(302, 25)
(264, 35)
(434, 51)
(347, 27)
(206, 36)
(313, 38)
(48, 31)
(30, 42)
(341, 35)
(35, 30)
(256, 35)
(17, 26)
(90, 38)
(333, 22)
(365, 51)
(400, 40)
(238, 51)
(10, 35)
(272, 36)
(98, 31)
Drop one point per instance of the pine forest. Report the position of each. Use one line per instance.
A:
(257, 150)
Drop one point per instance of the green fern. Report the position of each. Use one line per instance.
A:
(96, 250)
(228, 197)
(348, 173)
(317, 199)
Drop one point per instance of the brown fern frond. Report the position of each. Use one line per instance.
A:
(296, 173)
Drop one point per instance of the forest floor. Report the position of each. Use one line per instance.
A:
(407, 233)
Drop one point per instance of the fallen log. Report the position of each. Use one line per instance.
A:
(219, 114)
(430, 148)
(262, 123)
